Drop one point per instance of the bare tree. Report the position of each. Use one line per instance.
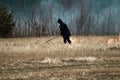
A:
(85, 18)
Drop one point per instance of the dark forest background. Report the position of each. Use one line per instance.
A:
(84, 17)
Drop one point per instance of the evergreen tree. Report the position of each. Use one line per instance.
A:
(7, 23)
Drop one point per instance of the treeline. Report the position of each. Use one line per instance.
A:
(83, 17)
(101, 23)
(35, 27)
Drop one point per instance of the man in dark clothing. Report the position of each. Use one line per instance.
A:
(64, 31)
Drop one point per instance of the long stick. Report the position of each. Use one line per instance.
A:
(51, 39)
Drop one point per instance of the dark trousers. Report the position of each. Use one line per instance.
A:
(66, 38)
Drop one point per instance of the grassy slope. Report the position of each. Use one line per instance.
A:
(87, 58)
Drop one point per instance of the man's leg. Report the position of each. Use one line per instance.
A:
(68, 39)
(64, 39)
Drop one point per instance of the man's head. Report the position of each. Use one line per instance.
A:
(59, 21)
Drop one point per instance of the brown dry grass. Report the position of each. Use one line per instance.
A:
(87, 58)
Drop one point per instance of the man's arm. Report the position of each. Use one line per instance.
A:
(67, 30)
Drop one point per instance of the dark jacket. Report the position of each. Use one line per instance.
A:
(64, 29)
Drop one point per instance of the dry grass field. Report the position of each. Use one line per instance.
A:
(87, 58)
